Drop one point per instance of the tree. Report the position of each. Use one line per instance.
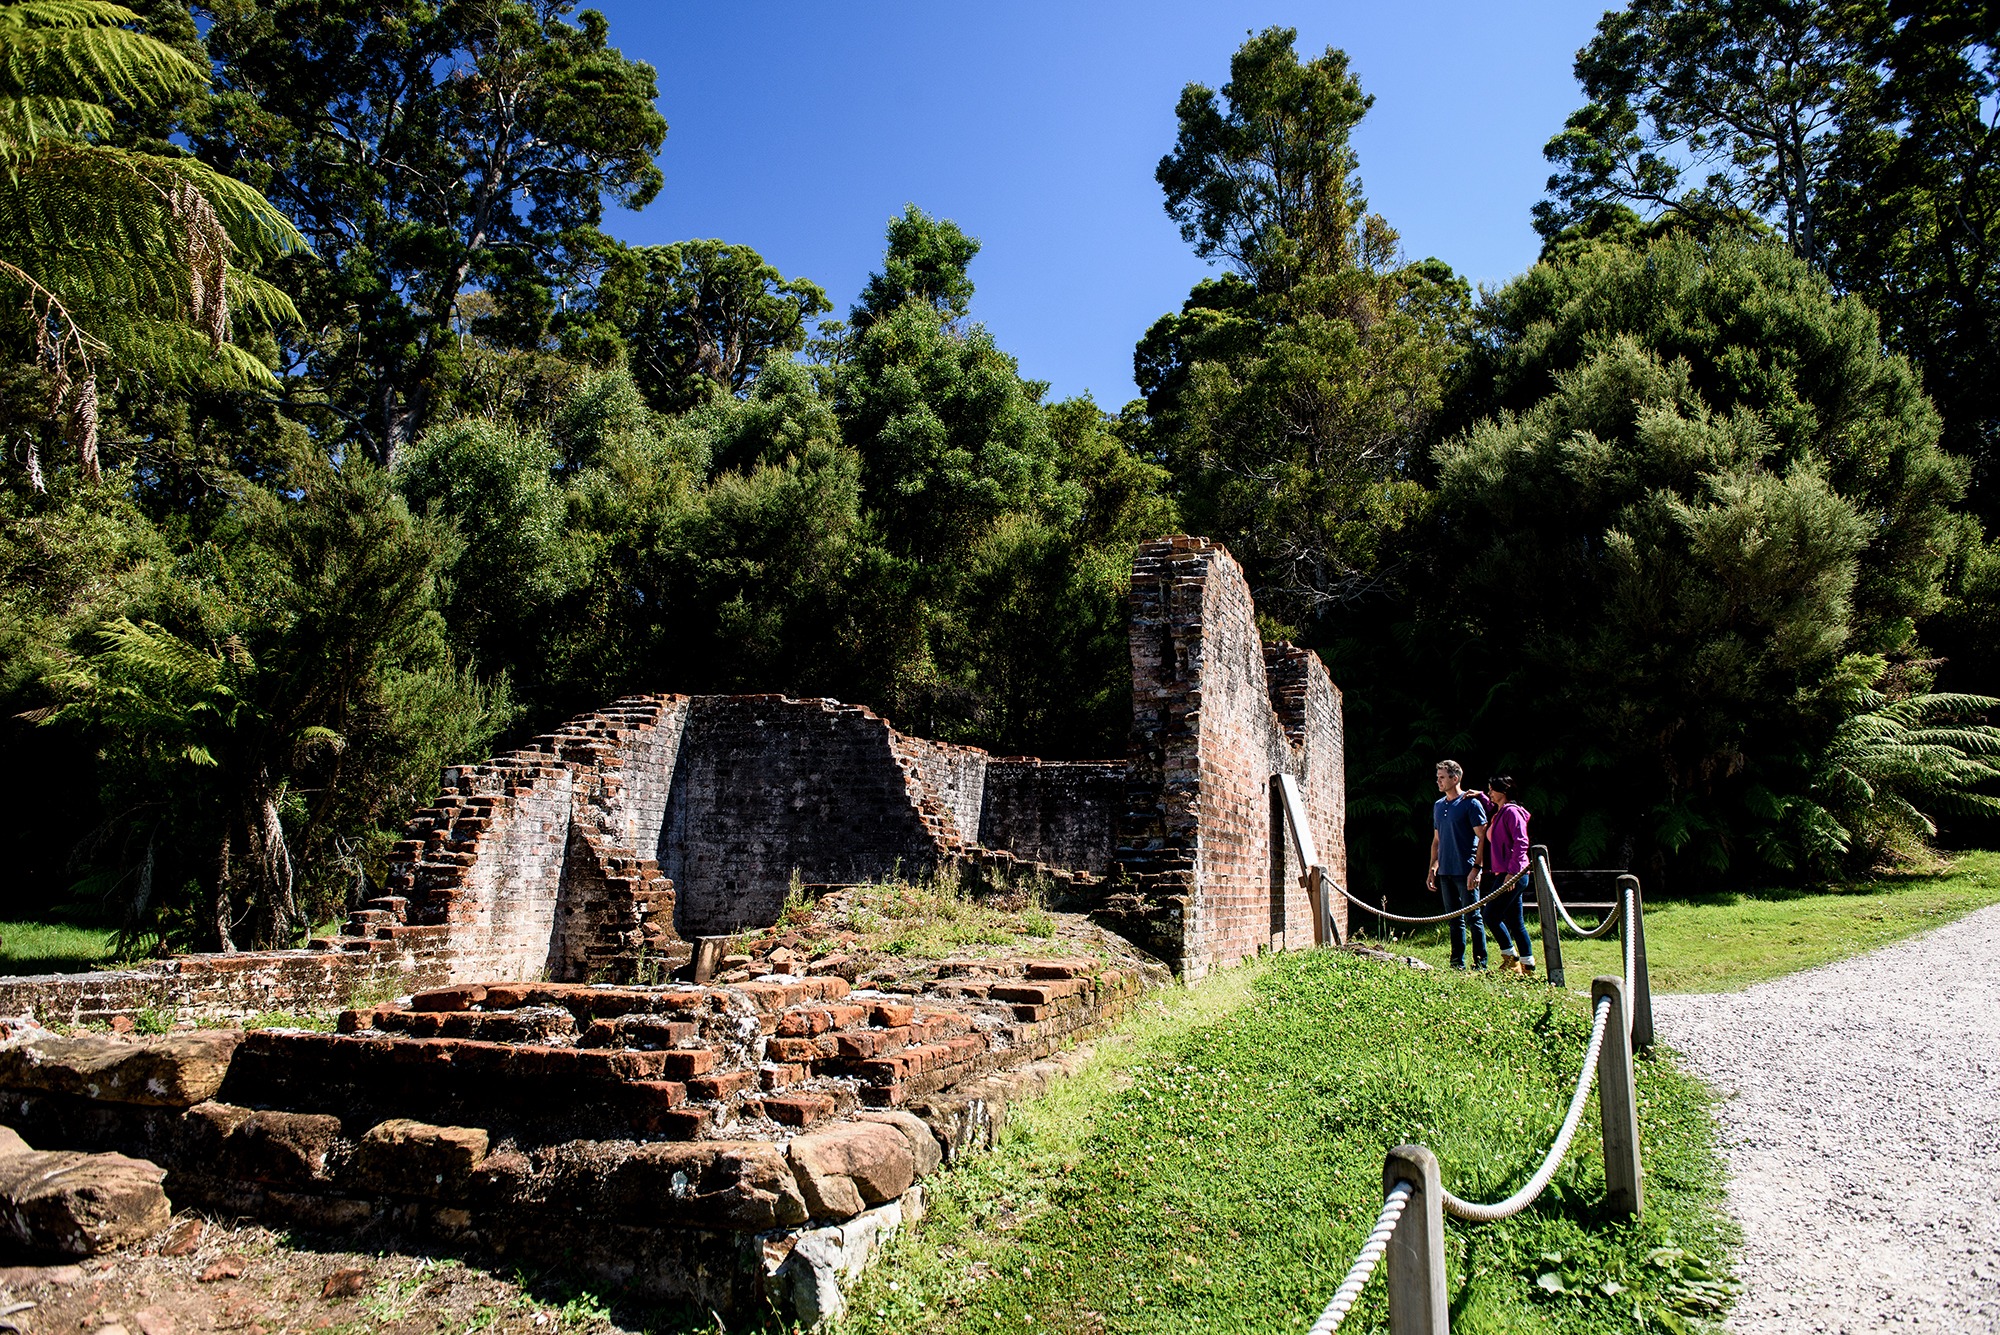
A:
(1725, 512)
(950, 436)
(700, 318)
(431, 153)
(264, 735)
(926, 262)
(1720, 111)
(1911, 214)
(1266, 179)
(1292, 398)
(121, 257)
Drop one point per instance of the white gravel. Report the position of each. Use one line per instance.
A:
(1862, 1131)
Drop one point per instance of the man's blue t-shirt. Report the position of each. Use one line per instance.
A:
(1454, 819)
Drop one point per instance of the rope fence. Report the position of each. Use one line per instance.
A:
(1409, 1232)
(1364, 1264)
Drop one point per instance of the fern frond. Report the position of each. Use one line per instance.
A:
(78, 49)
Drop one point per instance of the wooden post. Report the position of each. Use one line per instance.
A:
(1319, 894)
(1289, 815)
(1545, 909)
(1417, 1303)
(707, 955)
(1618, 1101)
(1642, 975)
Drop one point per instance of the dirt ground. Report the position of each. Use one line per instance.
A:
(210, 1275)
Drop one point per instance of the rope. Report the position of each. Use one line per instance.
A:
(1505, 886)
(1364, 1264)
(1631, 949)
(1610, 919)
(1520, 1200)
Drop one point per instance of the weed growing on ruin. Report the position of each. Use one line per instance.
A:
(1219, 1169)
(375, 991)
(936, 916)
(798, 908)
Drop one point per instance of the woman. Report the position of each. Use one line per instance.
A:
(1507, 851)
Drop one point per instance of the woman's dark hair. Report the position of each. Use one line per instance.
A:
(1501, 783)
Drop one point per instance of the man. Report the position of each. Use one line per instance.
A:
(1458, 823)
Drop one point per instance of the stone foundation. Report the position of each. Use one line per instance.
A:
(681, 1141)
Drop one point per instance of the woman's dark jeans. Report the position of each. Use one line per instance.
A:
(1456, 896)
(1509, 921)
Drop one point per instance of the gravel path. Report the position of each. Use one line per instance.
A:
(1862, 1131)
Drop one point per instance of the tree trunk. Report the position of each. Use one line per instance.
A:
(135, 912)
(274, 862)
(219, 906)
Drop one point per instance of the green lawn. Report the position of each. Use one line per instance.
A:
(43, 947)
(1217, 1168)
(1719, 943)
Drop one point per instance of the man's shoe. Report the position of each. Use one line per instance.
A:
(1527, 966)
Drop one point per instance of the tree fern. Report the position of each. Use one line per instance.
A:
(121, 258)
(1896, 754)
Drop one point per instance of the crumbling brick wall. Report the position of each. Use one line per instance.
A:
(239, 985)
(768, 787)
(1198, 843)
(530, 860)
(1060, 812)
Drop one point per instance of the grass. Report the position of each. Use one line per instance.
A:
(1217, 1170)
(927, 919)
(45, 947)
(1719, 943)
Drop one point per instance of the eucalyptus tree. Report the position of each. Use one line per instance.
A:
(1292, 398)
(449, 162)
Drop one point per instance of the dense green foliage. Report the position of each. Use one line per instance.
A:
(403, 458)
(1863, 133)
(1221, 1170)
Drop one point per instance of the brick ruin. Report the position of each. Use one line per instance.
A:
(625, 834)
(556, 1072)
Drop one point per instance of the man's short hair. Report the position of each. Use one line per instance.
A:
(1453, 768)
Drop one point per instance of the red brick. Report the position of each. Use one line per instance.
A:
(804, 1022)
(684, 1063)
(722, 1086)
(792, 1050)
(797, 1109)
(890, 1014)
(449, 998)
(653, 1095)
(782, 1076)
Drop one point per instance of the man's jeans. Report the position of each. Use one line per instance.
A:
(1456, 896)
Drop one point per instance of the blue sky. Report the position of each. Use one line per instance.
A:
(800, 128)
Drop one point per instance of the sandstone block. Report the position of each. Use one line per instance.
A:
(745, 1185)
(72, 1204)
(845, 1169)
(409, 1158)
(283, 1147)
(924, 1147)
(167, 1071)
